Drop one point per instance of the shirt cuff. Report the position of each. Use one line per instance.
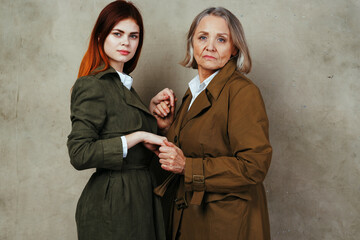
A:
(124, 144)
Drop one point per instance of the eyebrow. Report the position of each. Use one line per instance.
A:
(115, 29)
(218, 34)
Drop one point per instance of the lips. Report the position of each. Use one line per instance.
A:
(209, 57)
(123, 52)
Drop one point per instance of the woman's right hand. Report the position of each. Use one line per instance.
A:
(172, 158)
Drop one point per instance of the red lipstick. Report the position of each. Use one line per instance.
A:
(124, 52)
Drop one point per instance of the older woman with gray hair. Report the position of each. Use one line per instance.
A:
(218, 152)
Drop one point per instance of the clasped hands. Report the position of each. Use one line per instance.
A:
(171, 157)
(162, 106)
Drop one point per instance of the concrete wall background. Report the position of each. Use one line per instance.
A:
(306, 62)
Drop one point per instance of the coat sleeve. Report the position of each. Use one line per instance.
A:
(247, 133)
(88, 116)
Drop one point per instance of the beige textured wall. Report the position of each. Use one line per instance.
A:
(306, 63)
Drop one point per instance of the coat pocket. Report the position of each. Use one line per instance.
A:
(228, 215)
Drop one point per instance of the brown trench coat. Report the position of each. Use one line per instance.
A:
(224, 137)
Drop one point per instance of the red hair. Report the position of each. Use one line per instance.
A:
(95, 55)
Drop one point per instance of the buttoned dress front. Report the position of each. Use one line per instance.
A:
(117, 202)
(224, 137)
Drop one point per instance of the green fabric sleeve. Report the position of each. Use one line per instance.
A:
(88, 116)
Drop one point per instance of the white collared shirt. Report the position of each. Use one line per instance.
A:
(127, 81)
(196, 87)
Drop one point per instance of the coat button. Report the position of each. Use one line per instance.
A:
(175, 139)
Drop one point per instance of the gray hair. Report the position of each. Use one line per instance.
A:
(243, 59)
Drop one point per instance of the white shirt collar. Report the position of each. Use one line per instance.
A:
(196, 87)
(125, 79)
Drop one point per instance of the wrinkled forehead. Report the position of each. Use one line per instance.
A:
(212, 25)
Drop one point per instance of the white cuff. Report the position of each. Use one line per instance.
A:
(124, 144)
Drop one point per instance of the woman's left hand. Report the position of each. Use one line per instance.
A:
(172, 158)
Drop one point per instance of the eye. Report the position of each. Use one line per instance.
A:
(222, 40)
(133, 36)
(202, 37)
(117, 34)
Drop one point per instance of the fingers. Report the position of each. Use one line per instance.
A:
(167, 149)
(163, 103)
(171, 158)
(169, 166)
(166, 167)
(167, 163)
(169, 144)
(157, 112)
(172, 110)
(166, 155)
(172, 98)
(154, 139)
(161, 96)
(162, 109)
(169, 94)
(165, 107)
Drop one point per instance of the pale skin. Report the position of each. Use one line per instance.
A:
(213, 48)
(213, 45)
(163, 108)
(120, 46)
(121, 43)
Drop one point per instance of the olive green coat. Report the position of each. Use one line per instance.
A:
(224, 137)
(117, 202)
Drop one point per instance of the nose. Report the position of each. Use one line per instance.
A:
(211, 45)
(125, 41)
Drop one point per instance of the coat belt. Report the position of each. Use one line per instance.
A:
(161, 189)
(198, 191)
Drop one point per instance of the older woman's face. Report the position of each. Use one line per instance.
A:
(212, 44)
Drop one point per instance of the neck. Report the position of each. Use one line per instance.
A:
(204, 74)
(117, 66)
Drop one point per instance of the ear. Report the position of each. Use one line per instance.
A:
(234, 51)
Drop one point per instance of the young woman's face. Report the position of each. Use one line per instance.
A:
(212, 44)
(121, 43)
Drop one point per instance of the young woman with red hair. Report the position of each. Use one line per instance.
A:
(115, 133)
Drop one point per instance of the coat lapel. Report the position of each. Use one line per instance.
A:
(181, 114)
(130, 96)
(200, 104)
(212, 92)
(218, 83)
(133, 99)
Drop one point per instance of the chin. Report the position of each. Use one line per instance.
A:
(211, 67)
